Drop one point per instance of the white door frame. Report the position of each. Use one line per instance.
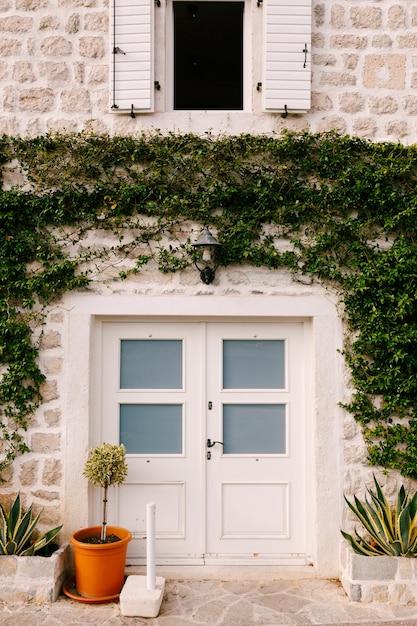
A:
(324, 330)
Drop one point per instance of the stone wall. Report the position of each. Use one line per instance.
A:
(61, 431)
(54, 72)
(38, 475)
(54, 57)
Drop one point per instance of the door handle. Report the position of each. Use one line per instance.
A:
(211, 443)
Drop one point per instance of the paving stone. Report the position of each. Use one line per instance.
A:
(223, 603)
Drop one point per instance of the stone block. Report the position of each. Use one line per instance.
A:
(385, 71)
(52, 472)
(383, 106)
(338, 16)
(365, 127)
(51, 339)
(37, 99)
(49, 22)
(366, 17)
(97, 21)
(348, 41)
(76, 99)
(23, 72)
(396, 17)
(383, 579)
(374, 593)
(57, 73)
(410, 105)
(138, 601)
(34, 578)
(56, 46)
(73, 24)
(92, 47)
(404, 594)
(8, 568)
(398, 129)
(16, 24)
(371, 568)
(405, 568)
(45, 442)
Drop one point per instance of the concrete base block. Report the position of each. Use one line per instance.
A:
(34, 578)
(138, 601)
(383, 579)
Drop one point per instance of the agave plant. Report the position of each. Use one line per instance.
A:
(391, 530)
(16, 528)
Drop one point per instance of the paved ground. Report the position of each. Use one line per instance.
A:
(216, 602)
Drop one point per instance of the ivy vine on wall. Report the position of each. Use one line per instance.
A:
(345, 207)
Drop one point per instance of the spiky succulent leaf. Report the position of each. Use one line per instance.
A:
(392, 530)
(16, 530)
(403, 529)
(25, 529)
(369, 521)
(382, 502)
(3, 530)
(402, 499)
(360, 546)
(11, 547)
(383, 524)
(413, 506)
(14, 514)
(42, 541)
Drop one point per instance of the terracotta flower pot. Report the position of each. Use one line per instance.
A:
(99, 568)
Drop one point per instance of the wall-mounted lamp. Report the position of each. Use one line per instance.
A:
(207, 256)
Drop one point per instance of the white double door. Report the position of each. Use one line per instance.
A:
(213, 419)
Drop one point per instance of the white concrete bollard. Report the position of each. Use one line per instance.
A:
(142, 596)
(150, 545)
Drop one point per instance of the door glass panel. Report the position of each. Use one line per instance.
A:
(151, 364)
(254, 429)
(151, 428)
(253, 364)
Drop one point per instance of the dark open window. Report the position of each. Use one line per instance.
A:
(208, 55)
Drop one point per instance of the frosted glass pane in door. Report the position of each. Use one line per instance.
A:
(254, 429)
(151, 428)
(253, 364)
(151, 364)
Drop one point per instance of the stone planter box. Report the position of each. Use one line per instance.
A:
(34, 578)
(388, 579)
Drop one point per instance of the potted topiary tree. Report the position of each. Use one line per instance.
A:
(100, 551)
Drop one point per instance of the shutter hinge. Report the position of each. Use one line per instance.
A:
(157, 85)
(259, 3)
(259, 87)
(305, 55)
(158, 3)
(117, 50)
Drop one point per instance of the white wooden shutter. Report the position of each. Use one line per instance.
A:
(132, 62)
(286, 81)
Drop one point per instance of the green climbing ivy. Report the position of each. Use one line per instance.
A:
(345, 208)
